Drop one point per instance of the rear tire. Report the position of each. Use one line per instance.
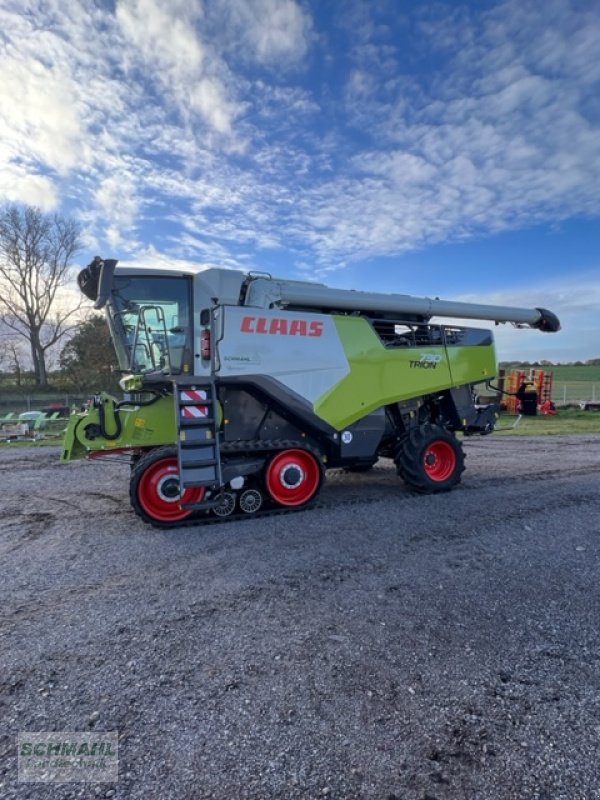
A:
(430, 459)
(154, 489)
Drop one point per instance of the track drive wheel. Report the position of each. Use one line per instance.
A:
(154, 489)
(293, 477)
(430, 459)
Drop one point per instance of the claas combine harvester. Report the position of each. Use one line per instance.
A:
(241, 390)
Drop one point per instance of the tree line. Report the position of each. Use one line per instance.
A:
(591, 362)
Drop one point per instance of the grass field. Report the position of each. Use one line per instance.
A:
(567, 421)
(568, 373)
(573, 384)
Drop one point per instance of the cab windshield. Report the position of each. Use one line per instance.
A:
(150, 322)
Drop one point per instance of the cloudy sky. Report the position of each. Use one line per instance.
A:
(440, 148)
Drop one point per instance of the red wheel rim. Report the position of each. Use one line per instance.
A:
(439, 461)
(158, 492)
(293, 477)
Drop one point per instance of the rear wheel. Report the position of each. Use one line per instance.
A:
(430, 459)
(293, 477)
(155, 491)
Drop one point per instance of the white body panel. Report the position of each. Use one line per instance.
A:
(302, 351)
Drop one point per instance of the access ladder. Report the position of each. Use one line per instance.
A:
(197, 435)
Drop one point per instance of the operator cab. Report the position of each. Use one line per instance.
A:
(150, 323)
(161, 319)
(149, 313)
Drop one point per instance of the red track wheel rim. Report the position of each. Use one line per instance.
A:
(293, 477)
(158, 492)
(439, 461)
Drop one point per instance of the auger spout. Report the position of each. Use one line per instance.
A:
(269, 293)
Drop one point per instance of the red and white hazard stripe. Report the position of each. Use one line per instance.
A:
(192, 395)
(194, 412)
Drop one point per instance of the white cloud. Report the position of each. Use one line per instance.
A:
(194, 129)
(163, 34)
(164, 38)
(92, 105)
(276, 31)
(40, 130)
(119, 204)
(19, 186)
(207, 97)
(500, 140)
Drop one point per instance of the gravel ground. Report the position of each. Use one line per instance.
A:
(383, 645)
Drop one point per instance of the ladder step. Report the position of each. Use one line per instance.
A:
(198, 443)
(207, 452)
(199, 476)
(194, 422)
(200, 462)
(196, 436)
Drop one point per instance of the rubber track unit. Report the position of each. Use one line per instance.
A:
(421, 446)
(252, 448)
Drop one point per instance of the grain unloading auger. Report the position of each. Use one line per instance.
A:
(241, 390)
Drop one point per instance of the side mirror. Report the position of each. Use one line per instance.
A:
(105, 282)
(96, 279)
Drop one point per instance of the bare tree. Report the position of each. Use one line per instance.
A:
(11, 357)
(36, 250)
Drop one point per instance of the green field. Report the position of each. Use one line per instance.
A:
(567, 421)
(572, 373)
(573, 384)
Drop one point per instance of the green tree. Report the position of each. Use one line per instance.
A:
(88, 359)
(36, 251)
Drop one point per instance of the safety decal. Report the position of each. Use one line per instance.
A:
(194, 412)
(192, 394)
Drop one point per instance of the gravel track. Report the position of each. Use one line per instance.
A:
(382, 645)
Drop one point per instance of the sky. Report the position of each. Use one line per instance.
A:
(433, 148)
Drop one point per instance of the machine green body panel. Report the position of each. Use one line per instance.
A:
(380, 376)
(141, 427)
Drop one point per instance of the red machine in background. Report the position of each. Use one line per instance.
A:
(528, 391)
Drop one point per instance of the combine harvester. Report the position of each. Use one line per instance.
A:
(242, 389)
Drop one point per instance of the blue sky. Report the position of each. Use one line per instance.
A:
(440, 148)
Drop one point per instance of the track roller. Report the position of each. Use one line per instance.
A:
(226, 504)
(250, 501)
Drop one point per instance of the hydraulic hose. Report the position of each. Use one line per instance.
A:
(102, 421)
